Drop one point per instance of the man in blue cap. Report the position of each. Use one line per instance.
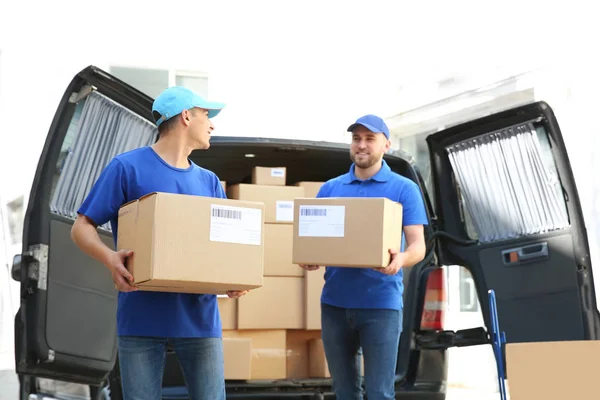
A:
(148, 321)
(362, 307)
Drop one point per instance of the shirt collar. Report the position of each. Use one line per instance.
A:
(382, 175)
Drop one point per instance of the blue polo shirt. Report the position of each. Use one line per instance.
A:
(364, 287)
(130, 176)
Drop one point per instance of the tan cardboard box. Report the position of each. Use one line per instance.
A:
(278, 251)
(297, 353)
(274, 176)
(310, 188)
(531, 369)
(193, 244)
(228, 311)
(278, 200)
(313, 287)
(269, 352)
(237, 353)
(346, 232)
(224, 184)
(279, 304)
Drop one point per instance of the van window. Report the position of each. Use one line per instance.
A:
(513, 172)
(99, 130)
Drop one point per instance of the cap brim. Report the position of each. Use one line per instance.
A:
(213, 107)
(352, 127)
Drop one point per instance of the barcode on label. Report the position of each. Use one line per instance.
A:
(285, 204)
(277, 172)
(313, 212)
(225, 213)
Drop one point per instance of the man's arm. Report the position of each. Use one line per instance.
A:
(102, 204)
(415, 245)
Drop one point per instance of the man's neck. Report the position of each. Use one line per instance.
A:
(174, 151)
(366, 173)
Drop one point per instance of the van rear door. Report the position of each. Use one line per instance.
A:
(509, 211)
(66, 326)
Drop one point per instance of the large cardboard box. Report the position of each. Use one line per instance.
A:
(313, 287)
(279, 304)
(237, 354)
(274, 176)
(346, 232)
(228, 312)
(193, 244)
(311, 189)
(278, 200)
(298, 353)
(278, 251)
(553, 370)
(269, 352)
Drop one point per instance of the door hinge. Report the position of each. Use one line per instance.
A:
(37, 264)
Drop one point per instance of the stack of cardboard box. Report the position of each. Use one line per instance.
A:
(282, 317)
(254, 240)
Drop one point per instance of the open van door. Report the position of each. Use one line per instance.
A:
(508, 211)
(66, 325)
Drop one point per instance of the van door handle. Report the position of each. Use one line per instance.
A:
(525, 253)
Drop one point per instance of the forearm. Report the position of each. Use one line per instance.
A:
(413, 254)
(86, 237)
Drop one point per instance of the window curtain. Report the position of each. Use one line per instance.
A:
(102, 130)
(509, 183)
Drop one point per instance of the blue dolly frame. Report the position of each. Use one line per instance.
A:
(498, 338)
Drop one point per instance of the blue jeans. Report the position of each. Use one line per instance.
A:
(142, 361)
(377, 332)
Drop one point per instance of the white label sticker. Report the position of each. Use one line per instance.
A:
(235, 224)
(284, 211)
(277, 172)
(321, 221)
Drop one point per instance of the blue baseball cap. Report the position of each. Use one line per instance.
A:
(173, 100)
(372, 123)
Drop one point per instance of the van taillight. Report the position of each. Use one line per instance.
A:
(435, 301)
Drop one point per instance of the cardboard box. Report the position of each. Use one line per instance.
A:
(269, 349)
(313, 287)
(193, 244)
(346, 232)
(278, 251)
(532, 368)
(298, 353)
(274, 176)
(237, 353)
(279, 304)
(224, 184)
(228, 311)
(310, 188)
(278, 200)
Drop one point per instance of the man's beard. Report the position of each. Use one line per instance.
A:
(364, 163)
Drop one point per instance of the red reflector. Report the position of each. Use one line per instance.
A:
(435, 301)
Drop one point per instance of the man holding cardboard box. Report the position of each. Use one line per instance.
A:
(146, 320)
(362, 307)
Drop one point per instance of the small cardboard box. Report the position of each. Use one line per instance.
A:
(228, 312)
(278, 200)
(278, 251)
(279, 304)
(237, 354)
(346, 232)
(269, 352)
(193, 244)
(273, 176)
(311, 189)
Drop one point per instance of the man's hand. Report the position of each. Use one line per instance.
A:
(309, 267)
(122, 278)
(234, 294)
(395, 265)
